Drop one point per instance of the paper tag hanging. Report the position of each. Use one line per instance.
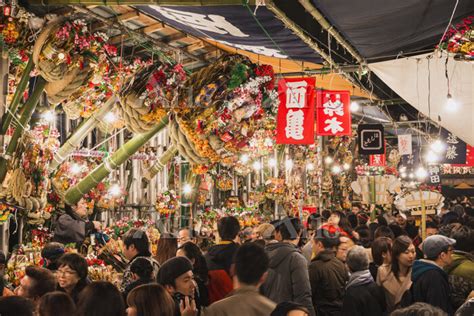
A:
(404, 145)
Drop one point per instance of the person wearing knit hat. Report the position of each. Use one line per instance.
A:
(176, 276)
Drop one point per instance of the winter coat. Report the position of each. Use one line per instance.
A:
(430, 285)
(243, 301)
(219, 261)
(288, 278)
(72, 229)
(363, 296)
(461, 277)
(394, 288)
(328, 277)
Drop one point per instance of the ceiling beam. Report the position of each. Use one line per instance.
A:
(110, 23)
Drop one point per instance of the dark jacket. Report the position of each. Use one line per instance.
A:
(288, 278)
(430, 285)
(461, 277)
(328, 277)
(133, 285)
(219, 260)
(363, 296)
(77, 289)
(72, 229)
(220, 256)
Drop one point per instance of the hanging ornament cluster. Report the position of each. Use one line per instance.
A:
(459, 40)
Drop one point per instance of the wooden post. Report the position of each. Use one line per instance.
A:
(423, 216)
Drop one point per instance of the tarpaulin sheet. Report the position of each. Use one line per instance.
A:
(235, 26)
(384, 28)
(422, 82)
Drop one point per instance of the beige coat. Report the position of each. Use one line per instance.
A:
(393, 288)
(245, 300)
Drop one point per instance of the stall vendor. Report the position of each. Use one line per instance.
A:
(73, 226)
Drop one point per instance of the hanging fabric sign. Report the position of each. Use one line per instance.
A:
(371, 139)
(455, 152)
(434, 172)
(295, 123)
(333, 114)
(404, 145)
(469, 157)
(377, 160)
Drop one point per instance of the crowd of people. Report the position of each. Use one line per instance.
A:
(334, 263)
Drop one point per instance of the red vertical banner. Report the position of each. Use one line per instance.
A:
(295, 120)
(469, 157)
(333, 113)
(377, 160)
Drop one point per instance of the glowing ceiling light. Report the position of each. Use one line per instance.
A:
(336, 169)
(354, 106)
(187, 188)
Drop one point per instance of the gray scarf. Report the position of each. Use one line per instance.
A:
(360, 278)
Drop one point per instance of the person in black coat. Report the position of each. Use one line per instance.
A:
(363, 296)
(74, 226)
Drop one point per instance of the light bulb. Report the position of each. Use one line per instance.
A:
(421, 173)
(437, 146)
(257, 165)
(48, 116)
(289, 164)
(75, 168)
(310, 166)
(110, 118)
(272, 162)
(244, 158)
(328, 160)
(346, 166)
(452, 105)
(115, 190)
(336, 169)
(187, 188)
(403, 175)
(411, 175)
(354, 106)
(431, 157)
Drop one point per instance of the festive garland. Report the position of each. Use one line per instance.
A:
(459, 40)
(167, 203)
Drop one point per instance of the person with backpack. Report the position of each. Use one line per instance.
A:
(219, 259)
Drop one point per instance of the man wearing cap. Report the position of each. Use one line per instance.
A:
(430, 282)
(176, 276)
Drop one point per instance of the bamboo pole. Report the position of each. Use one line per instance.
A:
(8, 115)
(81, 132)
(28, 110)
(310, 42)
(325, 24)
(74, 194)
(161, 162)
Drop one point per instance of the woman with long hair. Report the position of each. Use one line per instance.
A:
(166, 248)
(56, 304)
(150, 300)
(396, 277)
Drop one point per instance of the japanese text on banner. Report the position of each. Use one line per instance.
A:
(333, 114)
(295, 123)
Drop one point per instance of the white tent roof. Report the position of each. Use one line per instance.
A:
(422, 82)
